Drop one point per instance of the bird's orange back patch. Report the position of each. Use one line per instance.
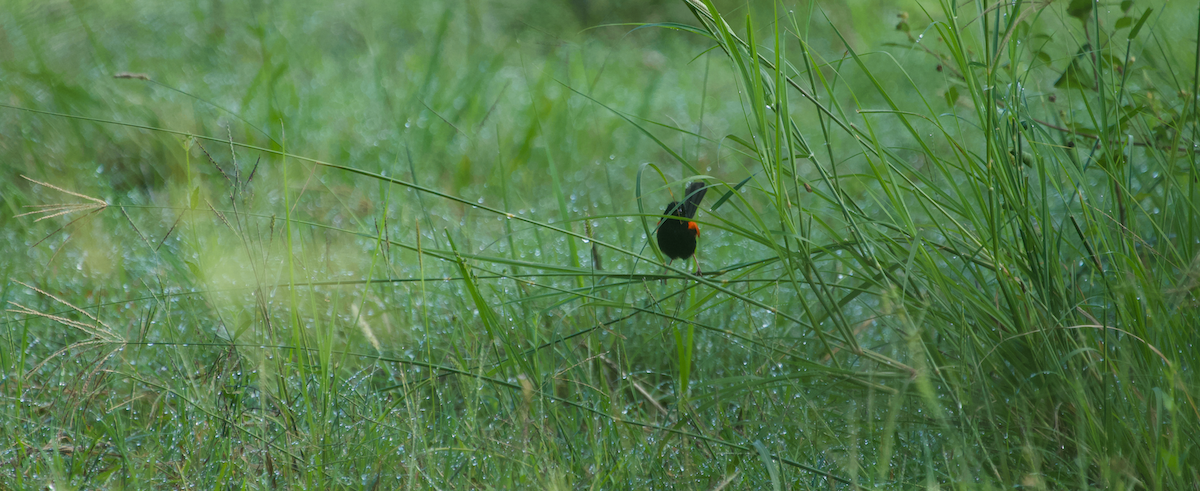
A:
(694, 228)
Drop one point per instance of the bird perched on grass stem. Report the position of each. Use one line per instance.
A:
(677, 236)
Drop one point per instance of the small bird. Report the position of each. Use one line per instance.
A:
(677, 236)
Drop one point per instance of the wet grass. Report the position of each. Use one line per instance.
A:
(945, 245)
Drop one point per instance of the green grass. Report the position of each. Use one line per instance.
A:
(374, 246)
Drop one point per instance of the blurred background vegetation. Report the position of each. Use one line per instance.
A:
(378, 245)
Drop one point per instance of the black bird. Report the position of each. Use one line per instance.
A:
(677, 236)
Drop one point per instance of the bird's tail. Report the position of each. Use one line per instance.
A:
(692, 197)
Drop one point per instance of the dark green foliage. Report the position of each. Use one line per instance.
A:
(378, 246)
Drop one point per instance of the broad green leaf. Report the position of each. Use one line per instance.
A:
(952, 96)
(1138, 27)
(1080, 9)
